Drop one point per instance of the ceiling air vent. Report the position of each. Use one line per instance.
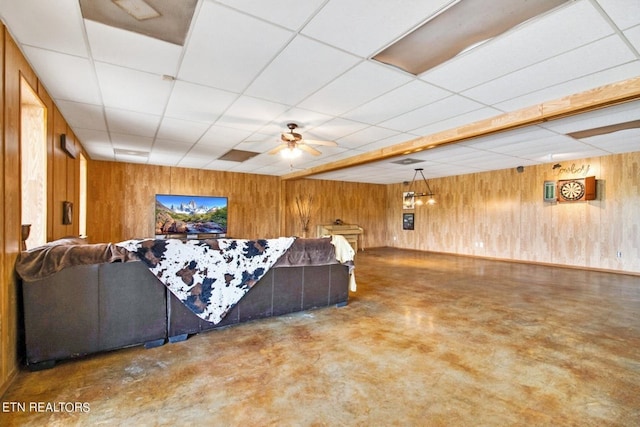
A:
(160, 19)
(407, 161)
(237, 155)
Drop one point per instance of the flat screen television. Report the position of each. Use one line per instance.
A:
(190, 215)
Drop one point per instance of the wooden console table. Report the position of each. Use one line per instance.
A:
(350, 232)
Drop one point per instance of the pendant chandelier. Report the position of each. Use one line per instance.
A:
(412, 197)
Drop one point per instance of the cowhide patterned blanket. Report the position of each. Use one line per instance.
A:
(209, 276)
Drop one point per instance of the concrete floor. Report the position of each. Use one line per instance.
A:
(428, 340)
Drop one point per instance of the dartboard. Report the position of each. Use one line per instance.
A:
(571, 190)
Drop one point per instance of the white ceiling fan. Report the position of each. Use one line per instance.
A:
(293, 143)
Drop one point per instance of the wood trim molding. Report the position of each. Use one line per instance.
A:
(594, 99)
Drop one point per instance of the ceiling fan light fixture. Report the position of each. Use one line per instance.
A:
(291, 152)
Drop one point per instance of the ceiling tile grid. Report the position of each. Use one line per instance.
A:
(249, 67)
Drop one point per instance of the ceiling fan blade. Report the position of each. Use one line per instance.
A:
(325, 143)
(278, 149)
(309, 150)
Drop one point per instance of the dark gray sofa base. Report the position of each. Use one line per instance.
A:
(94, 308)
(281, 291)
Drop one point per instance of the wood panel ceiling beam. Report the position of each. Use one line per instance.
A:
(594, 99)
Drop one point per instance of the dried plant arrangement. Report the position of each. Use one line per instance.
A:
(303, 206)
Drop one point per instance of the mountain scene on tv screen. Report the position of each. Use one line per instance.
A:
(195, 215)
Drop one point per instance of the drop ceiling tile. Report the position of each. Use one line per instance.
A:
(189, 101)
(487, 161)
(85, 116)
(337, 128)
(291, 14)
(456, 121)
(181, 130)
(167, 159)
(132, 90)
(624, 13)
(220, 165)
(532, 42)
(165, 146)
(131, 142)
(97, 143)
(633, 35)
(221, 36)
(548, 148)
(259, 142)
(220, 136)
(550, 93)
(616, 114)
(131, 122)
(49, 25)
(303, 67)
(442, 109)
(259, 164)
(207, 152)
(345, 25)
(132, 50)
(273, 169)
(366, 136)
(131, 159)
(597, 56)
(447, 169)
(258, 146)
(305, 119)
(202, 155)
(582, 153)
(398, 101)
(451, 154)
(70, 78)
(166, 152)
(502, 139)
(194, 162)
(397, 138)
(251, 114)
(625, 141)
(357, 86)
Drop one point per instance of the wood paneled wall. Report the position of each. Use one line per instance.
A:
(502, 214)
(121, 199)
(353, 203)
(120, 203)
(62, 176)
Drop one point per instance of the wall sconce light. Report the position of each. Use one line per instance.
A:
(411, 195)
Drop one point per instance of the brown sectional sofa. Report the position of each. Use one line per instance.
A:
(85, 309)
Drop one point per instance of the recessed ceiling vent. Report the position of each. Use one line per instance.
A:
(160, 19)
(407, 161)
(603, 130)
(237, 155)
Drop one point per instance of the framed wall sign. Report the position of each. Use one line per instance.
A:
(408, 200)
(407, 221)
